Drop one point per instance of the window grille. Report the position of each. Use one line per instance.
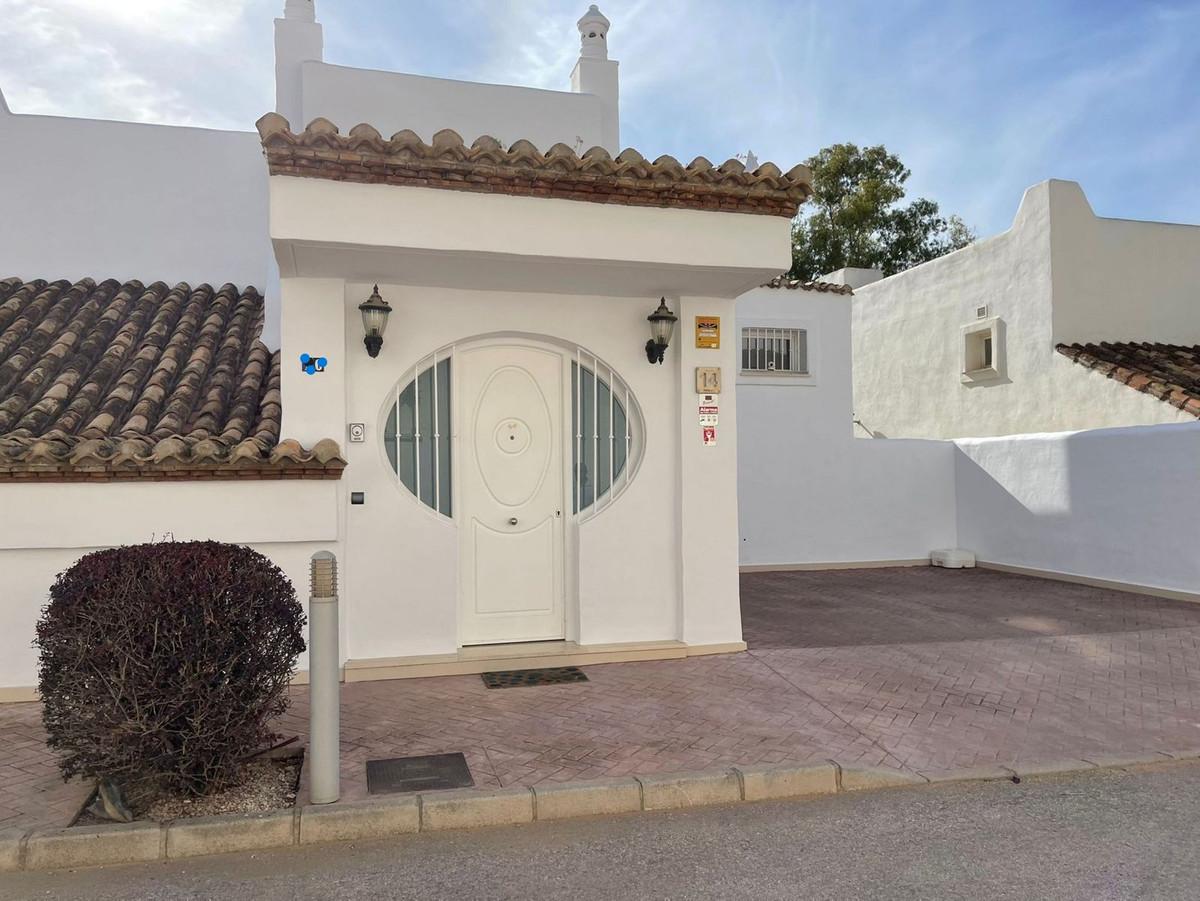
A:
(417, 434)
(603, 433)
(781, 350)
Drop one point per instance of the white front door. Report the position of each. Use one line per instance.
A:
(511, 502)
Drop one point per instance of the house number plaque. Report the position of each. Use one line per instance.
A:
(708, 379)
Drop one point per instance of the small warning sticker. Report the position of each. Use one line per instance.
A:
(710, 435)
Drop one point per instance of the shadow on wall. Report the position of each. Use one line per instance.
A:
(1120, 504)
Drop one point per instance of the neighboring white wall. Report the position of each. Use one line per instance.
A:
(1122, 280)
(809, 492)
(907, 330)
(92, 198)
(392, 101)
(307, 87)
(1116, 504)
(287, 521)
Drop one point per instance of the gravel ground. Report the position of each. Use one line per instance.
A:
(266, 785)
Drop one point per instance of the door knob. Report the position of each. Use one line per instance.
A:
(512, 521)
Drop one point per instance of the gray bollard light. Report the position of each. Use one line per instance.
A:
(324, 688)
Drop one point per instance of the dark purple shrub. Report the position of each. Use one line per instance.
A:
(162, 665)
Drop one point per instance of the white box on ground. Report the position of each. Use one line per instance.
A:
(952, 558)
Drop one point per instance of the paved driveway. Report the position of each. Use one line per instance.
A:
(918, 668)
(923, 669)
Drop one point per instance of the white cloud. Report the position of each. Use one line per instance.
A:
(979, 103)
(184, 62)
(189, 22)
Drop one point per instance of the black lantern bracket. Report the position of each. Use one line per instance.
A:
(375, 311)
(662, 326)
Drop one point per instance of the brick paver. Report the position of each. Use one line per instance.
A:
(917, 668)
(32, 792)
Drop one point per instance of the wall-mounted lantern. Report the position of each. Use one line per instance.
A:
(375, 311)
(662, 327)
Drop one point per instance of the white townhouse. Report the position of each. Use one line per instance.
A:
(1067, 320)
(487, 372)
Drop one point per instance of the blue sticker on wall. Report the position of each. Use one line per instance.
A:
(312, 365)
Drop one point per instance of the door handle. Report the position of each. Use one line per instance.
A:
(512, 521)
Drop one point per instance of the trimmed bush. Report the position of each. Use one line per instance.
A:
(162, 665)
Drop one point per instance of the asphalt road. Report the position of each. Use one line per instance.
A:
(1098, 836)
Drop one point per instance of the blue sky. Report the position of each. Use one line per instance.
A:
(979, 99)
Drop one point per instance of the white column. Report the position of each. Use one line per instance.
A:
(599, 77)
(596, 74)
(711, 610)
(298, 38)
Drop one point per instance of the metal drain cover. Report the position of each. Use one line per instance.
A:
(519, 678)
(418, 774)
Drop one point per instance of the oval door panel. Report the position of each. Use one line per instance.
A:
(512, 436)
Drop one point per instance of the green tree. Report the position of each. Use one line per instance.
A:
(854, 217)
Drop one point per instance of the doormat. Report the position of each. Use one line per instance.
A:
(418, 774)
(521, 678)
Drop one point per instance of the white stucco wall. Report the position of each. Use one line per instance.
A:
(430, 236)
(92, 198)
(1059, 274)
(809, 492)
(660, 563)
(47, 527)
(1116, 504)
(401, 573)
(403, 567)
(392, 101)
(1119, 279)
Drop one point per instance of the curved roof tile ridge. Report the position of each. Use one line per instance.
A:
(793, 284)
(487, 166)
(1169, 372)
(105, 380)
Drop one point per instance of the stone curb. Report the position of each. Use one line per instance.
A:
(380, 818)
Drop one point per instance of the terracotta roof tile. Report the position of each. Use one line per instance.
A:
(128, 380)
(793, 284)
(486, 166)
(1169, 372)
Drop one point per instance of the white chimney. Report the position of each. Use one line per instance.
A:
(301, 10)
(593, 33)
(298, 39)
(596, 74)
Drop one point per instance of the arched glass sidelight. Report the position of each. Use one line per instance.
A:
(603, 433)
(417, 436)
